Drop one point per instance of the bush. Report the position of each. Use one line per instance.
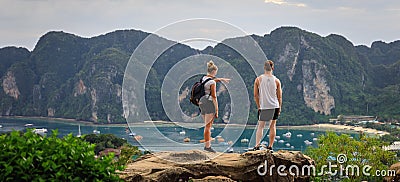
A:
(32, 157)
(364, 152)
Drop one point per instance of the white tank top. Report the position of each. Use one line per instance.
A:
(267, 92)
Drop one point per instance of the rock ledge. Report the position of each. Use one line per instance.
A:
(197, 165)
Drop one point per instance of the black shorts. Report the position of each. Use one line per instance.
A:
(268, 114)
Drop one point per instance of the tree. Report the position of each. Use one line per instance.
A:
(350, 155)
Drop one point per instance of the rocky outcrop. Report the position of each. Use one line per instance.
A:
(289, 53)
(394, 167)
(199, 165)
(94, 101)
(10, 85)
(315, 87)
(50, 112)
(80, 88)
(184, 94)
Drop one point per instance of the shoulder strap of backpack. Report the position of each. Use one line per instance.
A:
(205, 81)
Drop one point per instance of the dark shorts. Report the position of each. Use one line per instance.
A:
(206, 105)
(268, 114)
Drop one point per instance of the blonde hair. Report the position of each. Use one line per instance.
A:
(211, 67)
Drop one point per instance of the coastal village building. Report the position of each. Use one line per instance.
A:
(393, 147)
(354, 118)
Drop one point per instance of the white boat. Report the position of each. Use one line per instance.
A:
(278, 137)
(264, 143)
(307, 142)
(244, 140)
(96, 131)
(132, 134)
(287, 144)
(229, 150)
(182, 132)
(312, 134)
(288, 134)
(299, 135)
(281, 141)
(1, 126)
(79, 131)
(40, 130)
(315, 139)
(292, 147)
(28, 125)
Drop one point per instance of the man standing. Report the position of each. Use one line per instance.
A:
(268, 98)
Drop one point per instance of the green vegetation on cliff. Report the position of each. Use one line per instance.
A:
(81, 78)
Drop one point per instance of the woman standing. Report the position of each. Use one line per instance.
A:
(208, 103)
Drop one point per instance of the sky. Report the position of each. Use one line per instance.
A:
(23, 22)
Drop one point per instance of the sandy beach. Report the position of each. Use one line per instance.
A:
(340, 128)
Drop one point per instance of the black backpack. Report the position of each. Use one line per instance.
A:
(198, 91)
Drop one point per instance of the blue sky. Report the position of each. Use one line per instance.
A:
(360, 21)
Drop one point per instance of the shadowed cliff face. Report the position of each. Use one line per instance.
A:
(202, 166)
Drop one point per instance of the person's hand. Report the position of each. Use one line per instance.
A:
(216, 114)
(226, 80)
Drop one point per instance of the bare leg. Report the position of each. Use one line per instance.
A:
(208, 121)
(272, 132)
(259, 132)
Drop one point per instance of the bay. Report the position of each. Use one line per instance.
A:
(226, 137)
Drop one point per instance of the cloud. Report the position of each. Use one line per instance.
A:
(283, 2)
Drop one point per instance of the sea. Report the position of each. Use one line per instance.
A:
(174, 137)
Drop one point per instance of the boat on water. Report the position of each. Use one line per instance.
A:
(287, 144)
(244, 140)
(278, 137)
(315, 139)
(312, 134)
(299, 135)
(288, 134)
(1, 126)
(183, 132)
(220, 139)
(79, 131)
(28, 125)
(281, 141)
(96, 131)
(40, 130)
(307, 142)
(132, 134)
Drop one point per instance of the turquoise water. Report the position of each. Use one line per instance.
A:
(173, 132)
